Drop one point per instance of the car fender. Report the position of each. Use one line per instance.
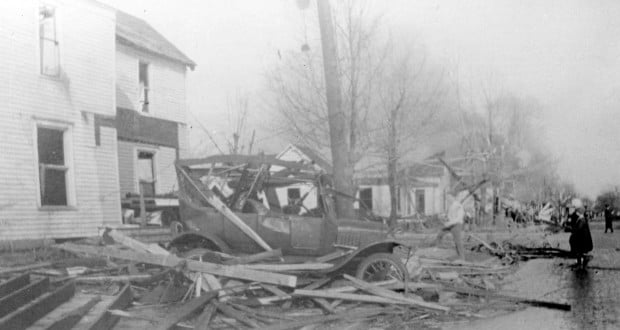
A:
(352, 260)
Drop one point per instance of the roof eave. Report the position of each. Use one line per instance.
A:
(190, 64)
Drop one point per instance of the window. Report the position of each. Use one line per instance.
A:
(143, 73)
(420, 201)
(366, 198)
(48, 42)
(53, 169)
(146, 173)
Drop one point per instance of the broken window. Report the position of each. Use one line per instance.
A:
(52, 166)
(48, 42)
(366, 198)
(146, 173)
(143, 73)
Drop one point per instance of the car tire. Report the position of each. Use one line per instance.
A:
(382, 267)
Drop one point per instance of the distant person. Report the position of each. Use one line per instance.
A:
(608, 219)
(580, 238)
(454, 224)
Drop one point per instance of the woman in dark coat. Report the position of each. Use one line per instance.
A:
(580, 239)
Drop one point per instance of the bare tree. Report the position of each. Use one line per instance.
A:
(237, 120)
(411, 95)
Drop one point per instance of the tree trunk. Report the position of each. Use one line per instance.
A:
(343, 172)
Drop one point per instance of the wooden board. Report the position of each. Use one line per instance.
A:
(106, 320)
(276, 253)
(79, 299)
(184, 311)
(36, 309)
(14, 284)
(239, 272)
(135, 244)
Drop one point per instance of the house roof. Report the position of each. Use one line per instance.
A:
(135, 32)
(312, 155)
(420, 170)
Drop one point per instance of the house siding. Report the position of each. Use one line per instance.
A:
(84, 32)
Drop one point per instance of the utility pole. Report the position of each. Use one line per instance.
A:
(343, 171)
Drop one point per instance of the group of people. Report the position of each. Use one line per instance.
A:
(580, 238)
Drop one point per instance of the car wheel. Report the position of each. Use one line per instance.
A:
(382, 267)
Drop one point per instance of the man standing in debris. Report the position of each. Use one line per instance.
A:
(580, 238)
(608, 219)
(454, 224)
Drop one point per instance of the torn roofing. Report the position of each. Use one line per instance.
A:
(135, 32)
(320, 161)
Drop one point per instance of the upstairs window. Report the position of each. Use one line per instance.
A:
(53, 169)
(48, 42)
(146, 173)
(143, 75)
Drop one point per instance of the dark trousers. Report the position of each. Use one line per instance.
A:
(609, 225)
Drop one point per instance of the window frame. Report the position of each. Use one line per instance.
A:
(56, 41)
(68, 166)
(136, 154)
(142, 106)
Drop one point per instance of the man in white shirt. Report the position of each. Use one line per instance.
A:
(454, 224)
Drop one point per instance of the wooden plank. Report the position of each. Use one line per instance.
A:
(185, 311)
(30, 313)
(276, 253)
(71, 318)
(14, 284)
(19, 269)
(353, 315)
(382, 292)
(135, 244)
(488, 294)
(212, 199)
(347, 296)
(107, 320)
(171, 260)
(118, 278)
(289, 267)
(23, 296)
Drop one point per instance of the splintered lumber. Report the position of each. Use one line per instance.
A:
(327, 318)
(377, 290)
(185, 311)
(107, 320)
(14, 284)
(71, 318)
(30, 313)
(135, 244)
(289, 267)
(487, 294)
(23, 296)
(485, 244)
(25, 268)
(171, 260)
(212, 199)
(276, 253)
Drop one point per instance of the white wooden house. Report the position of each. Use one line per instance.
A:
(58, 173)
(91, 99)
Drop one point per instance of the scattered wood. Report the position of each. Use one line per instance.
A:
(71, 318)
(185, 311)
(347, 296)
(289, 267)
(205, 317)
(197, 266)
(375, 289)
(235, 314)
(30, 313)
(328, 318)
(135, 244)
(19, 269)
(107, 320)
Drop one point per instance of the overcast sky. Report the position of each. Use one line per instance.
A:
(564, 53)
